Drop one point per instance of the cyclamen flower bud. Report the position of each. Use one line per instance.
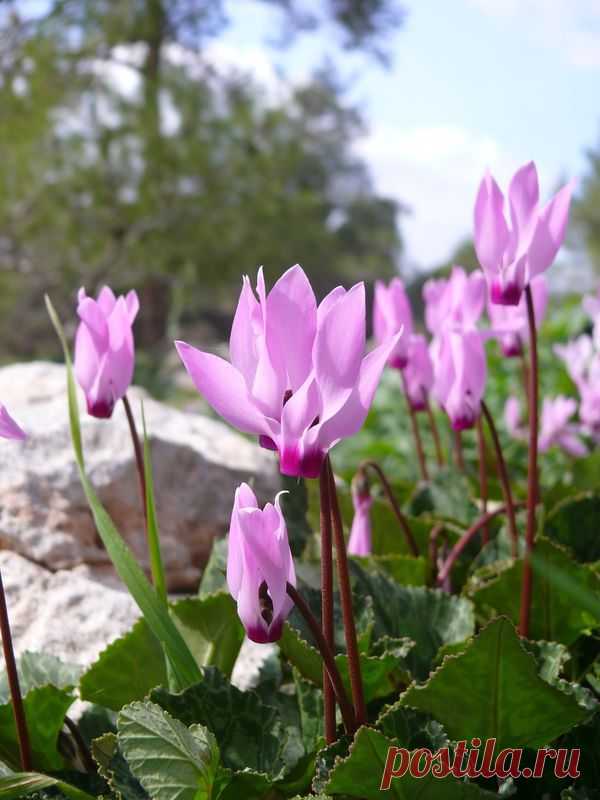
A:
(104, 348)
(259, 566)
(360, 543)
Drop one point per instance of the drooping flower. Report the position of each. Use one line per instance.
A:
(556, 427)
(418, 373)
(8, 427)
(454, 303)
(259, 565)
(512, 254)
(510, 322)
(460, 377)
(392, 313)
(298, 377)
(104, 348)
(360, 543)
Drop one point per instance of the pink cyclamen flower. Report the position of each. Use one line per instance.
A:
(460, 377)
(104, 348)
(556, 428)
(454, 303)
(510, 323)
(392, 313)
(512, 254)
(259, 565)
(582, 360)
(418, 373)
(360, 543)
(8, 427)
(298, 377)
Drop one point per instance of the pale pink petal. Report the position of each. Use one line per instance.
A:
(523, 196)
(491, 231)
(8, 427)
(224, 389)
(242, 341)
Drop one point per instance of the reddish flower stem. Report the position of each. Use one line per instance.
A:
(139, 456)
(439, 453)
(328, 660)
(13, 684)
(389, 493)
(483, 484)
(327, 598)
(458, 451)
(346, 601)
(465, 539)
(504, 480)
(415, 430)
(532, 469)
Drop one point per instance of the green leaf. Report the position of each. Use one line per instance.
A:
(115, 770)
(411, 728)
(213, 577)
(550, 656)
(493, 690)
(126, 670)
(574, 523)
(404, 569)
(153, 533)
(359, 775)
(170, 760)
(325, 761)
(381, 674)
(22, 784)
(40, 669)
(447, 496)
(429, 617)
(555, 615)
(45, 708)
(211, 628)
(246, 729)
(154, 611)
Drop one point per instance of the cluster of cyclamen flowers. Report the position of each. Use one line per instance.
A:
(299, 379)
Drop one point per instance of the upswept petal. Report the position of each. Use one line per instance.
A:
(291, 325)
(244, 332)
(491, 231)
(106, 300)
(550, 231)
(339, 349)
(224, 389)
(350, 418)
(523, 196)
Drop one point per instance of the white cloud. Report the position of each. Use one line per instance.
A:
(437, 171)
(571, 27)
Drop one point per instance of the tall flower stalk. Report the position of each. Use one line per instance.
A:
(327, 598)
(532, 471)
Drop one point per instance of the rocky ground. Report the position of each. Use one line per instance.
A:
(63, 595)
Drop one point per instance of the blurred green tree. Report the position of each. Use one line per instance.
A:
(128, 158)
(586, 211)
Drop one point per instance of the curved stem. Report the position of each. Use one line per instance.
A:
(439, 453)
(532, 469)
(346, 601)
(327, 598)
(504, 480)
(483, 484)
(458, 451)
(389, 493)
(13, 684)
(415, 429)
(328, 659)
(465, 539)
(139, 456)
(86, 756)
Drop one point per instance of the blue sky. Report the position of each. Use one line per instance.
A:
(474, 83)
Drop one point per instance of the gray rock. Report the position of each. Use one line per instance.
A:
(67, 613)
(73, 614)
(198, 462)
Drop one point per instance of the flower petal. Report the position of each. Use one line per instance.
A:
(224, 389)
(491, 231)
(523, 196)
